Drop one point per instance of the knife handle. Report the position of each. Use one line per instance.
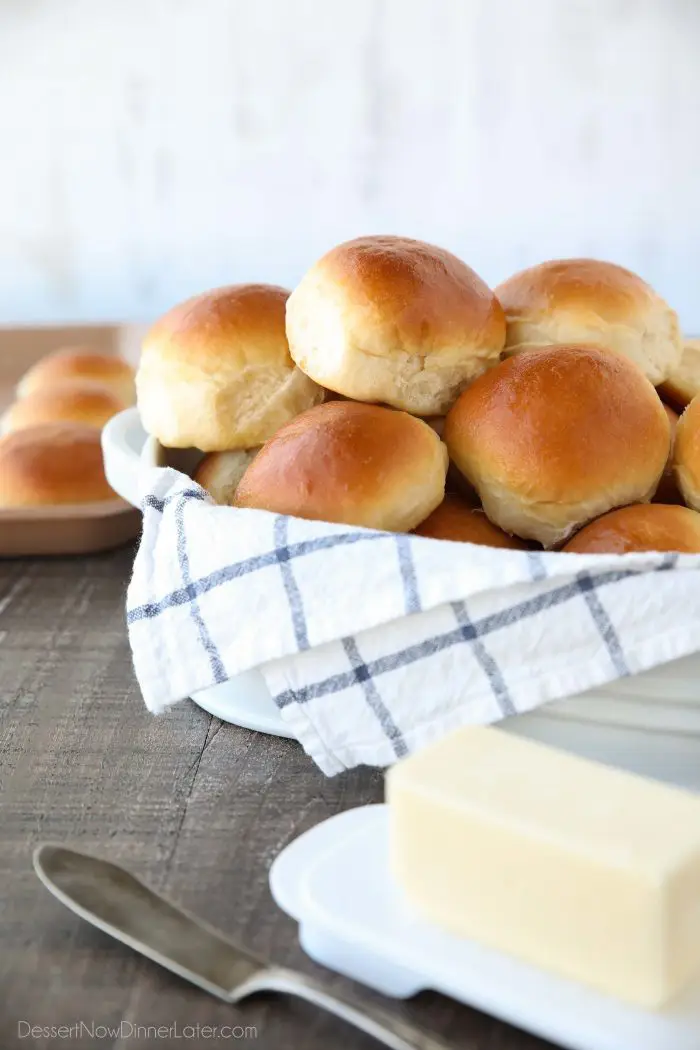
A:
(387, 1029)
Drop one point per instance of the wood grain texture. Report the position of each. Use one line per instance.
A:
(197, 807)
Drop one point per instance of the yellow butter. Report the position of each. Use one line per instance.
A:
(582, 870)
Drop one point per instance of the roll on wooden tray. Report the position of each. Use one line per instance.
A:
(54, 496)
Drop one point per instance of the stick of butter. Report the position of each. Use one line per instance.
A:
(582, 870)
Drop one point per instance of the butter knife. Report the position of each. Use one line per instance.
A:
(121, 905)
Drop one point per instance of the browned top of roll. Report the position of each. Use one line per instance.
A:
(429, 294)
(455, 520)
(349, 462)
(79, 402)
(235, 325)
(56, 463)
(570, 420)
(576, 285)
(593, 302)
(643, 527)
(73, 364)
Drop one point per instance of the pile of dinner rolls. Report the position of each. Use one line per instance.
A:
(50, 452)
(394, 390)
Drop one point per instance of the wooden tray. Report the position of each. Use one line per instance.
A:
(76, 529)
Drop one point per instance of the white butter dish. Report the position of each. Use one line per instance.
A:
(334, 881)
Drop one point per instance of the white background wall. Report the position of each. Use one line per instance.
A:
(153, 148)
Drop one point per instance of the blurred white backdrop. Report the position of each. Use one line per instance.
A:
(154, 148)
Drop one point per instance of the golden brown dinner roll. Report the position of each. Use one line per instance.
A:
(592, 302)
(215, 372)
(351, 463)
(668, 491)
(683, 382)
(85, 402)
(456, 520)
(554, 438)
(220, 472)
(394, 321)
(79, 364)
(55, 463)
(686, 454)
(643, 527)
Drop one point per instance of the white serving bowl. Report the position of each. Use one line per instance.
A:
(648, 723)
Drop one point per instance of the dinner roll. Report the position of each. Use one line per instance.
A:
(80, 364)
(554, 438)
(592, 302)
(215, 372)
(54, 463)
(84, 402)
(220, 472)
(456, 520)
(683, 382)
(667, 491)
(352, 463)
(686, 454)
(644, 527)
(394, 321)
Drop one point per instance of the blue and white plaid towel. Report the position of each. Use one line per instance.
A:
(373, 644)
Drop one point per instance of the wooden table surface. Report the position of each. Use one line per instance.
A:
(196, 807)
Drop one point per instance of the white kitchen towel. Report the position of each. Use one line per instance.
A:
(373, 644)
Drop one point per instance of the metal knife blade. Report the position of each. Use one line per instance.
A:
(118, 903)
